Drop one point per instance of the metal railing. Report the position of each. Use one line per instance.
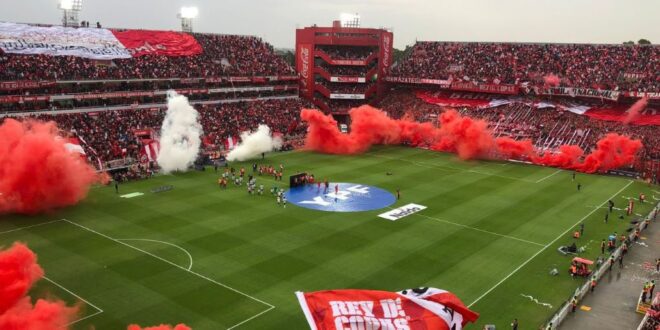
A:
(583, 290)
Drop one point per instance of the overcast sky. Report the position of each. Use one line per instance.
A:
(584, 21)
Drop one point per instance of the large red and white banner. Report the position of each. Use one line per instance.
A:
(415, 309)
(649, 116)
(231, 142)
(168, 43)
(149, 150)
(93, 43)
(458, 99)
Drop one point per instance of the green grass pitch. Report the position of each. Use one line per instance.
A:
(217, 259)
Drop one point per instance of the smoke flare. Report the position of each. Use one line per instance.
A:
(254, 143)
(18, 272)
(636, 110)
(551, 80)
(180, 135)
(467, 137)
(37, 172)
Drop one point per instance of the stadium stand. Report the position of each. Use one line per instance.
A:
(548, 129)
(608, 67)
(109, 135)
(223, 55)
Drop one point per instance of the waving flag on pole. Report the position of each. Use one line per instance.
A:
(413, 309)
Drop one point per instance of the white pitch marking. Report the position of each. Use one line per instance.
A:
(27, 227)
(169, 262)
(270, 307)
(547, 245)
(547, 177)
(166, 243)
(251, 318)
(98, 310)
(477, 229)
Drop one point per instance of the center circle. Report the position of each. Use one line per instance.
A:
(346, 197)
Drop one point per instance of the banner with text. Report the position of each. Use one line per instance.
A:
(61, 41)
(24, 84)
(415, 309)
(347, 96)
(344, 79)
(580, 92)
(485, 88)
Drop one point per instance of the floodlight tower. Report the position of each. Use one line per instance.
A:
(187, 14)
(350, 20)
(70, 10)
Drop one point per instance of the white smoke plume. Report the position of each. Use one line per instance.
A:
(179, 135)
(254, 143)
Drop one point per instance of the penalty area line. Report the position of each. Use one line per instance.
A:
(98, 310)
(546, 246)
(28, 227)
(190, 258)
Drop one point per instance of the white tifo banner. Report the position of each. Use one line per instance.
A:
(92, 43)
(402, 211)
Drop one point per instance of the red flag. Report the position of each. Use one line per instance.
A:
(416, 309)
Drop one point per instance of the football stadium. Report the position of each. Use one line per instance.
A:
(160, 177)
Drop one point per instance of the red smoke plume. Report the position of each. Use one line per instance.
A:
(636, 110)
(37, 173)
(467, 137)
(160, 327)
(551, 80)
(18, 271)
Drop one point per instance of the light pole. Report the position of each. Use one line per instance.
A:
(70, 10)
(187, 14)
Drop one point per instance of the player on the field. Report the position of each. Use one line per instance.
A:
(261, 189)
(284, 201)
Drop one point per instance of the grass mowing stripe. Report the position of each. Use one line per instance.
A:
(477, 229)
(548, 245)
(98, 310)
(171, 263)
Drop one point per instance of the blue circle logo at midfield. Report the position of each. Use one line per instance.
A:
(350, 197)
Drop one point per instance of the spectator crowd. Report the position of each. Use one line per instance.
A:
(109, 135)
(547, 128)
(607, 67)
(222, 55)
